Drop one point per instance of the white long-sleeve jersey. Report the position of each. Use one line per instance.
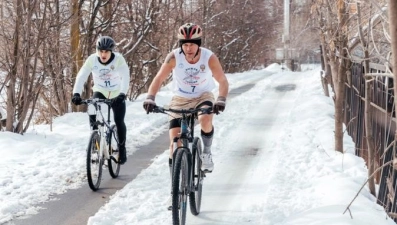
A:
(110, 79)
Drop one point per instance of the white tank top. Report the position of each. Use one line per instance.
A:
(192, 80)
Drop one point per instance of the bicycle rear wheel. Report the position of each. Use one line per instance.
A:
(180, 187)
(197, 176)
(94, 161)
(114, 166)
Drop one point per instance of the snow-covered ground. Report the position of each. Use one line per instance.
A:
(275, 162)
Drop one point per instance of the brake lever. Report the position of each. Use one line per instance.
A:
(158, 109)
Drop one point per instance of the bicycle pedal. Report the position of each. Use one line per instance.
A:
(206, 171)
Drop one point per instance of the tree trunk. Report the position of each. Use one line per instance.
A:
(326, 76)
(338, 82)
(339, 100)
(29, 61)
(368, 129)
(341, 45)
(11, 100)
(393, 35)
(368, 111)
(75, 42)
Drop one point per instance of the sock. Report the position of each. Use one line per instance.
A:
(207, 140)
(170, 167)
(92, 121)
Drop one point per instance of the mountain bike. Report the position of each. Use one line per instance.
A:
(187, 176)
(103, 145)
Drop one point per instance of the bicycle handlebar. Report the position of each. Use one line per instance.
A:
(159, 109)
(96, 100)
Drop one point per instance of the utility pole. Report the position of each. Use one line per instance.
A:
(286, 36)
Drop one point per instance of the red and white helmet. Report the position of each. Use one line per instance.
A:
(188, 32)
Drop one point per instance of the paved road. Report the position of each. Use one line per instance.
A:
(76, 206)
(230, 195)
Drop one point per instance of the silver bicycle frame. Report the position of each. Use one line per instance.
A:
(104, 146)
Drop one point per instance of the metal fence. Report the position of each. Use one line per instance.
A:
(383, 126)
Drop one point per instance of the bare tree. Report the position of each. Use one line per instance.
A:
(24, 80)
(368, 100)
(36, 51)
(335, 38)
(138, 42)
(393, 34)
(75, 49)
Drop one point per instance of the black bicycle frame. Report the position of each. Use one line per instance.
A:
(187, 132)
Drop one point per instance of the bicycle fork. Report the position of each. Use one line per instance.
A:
(104, 145)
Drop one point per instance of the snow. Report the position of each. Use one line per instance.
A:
(273, 151)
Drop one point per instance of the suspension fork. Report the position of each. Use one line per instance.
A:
(106, 135)
(190, 172)
(102, 141)
(106, 146)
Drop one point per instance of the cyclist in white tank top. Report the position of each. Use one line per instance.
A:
(194, 69)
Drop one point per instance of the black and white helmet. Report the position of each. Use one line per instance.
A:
(105, 43)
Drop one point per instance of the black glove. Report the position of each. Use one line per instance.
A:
(219, 105)
(119, 99)
(76, 99)
(149, 104)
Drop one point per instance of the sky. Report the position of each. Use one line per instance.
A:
(273, 152)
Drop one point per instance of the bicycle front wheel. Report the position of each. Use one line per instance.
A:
(94, 162)
(180, 187)
(113, 161)
(197, 176)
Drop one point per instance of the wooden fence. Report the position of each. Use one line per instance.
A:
(383, 124)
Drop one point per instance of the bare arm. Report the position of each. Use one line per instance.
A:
(162, 74)
(219, 75)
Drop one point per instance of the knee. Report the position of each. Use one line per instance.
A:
(206, 124)
(205, 119)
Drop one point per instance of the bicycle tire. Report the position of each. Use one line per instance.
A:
(114, 166)
(180, 187)
(94, 162)
(197, 178)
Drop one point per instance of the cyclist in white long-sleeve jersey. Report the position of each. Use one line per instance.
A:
(111, 78)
